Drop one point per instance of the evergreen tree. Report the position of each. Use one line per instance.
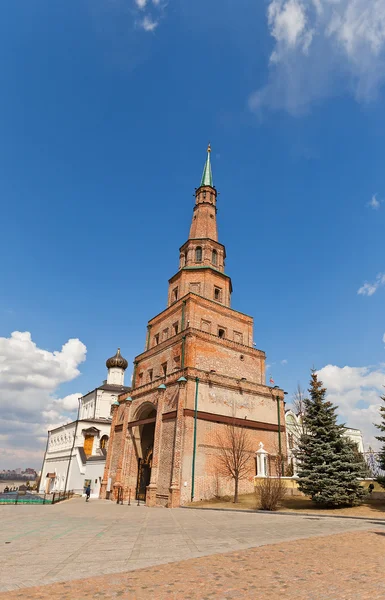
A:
(329, 466)
(381, 438)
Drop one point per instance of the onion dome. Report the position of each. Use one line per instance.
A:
(117, 361)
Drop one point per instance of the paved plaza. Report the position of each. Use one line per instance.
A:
(77, 540)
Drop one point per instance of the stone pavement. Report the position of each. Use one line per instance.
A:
(76, 540)
(348, 566)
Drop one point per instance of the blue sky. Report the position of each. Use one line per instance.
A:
(106, 111)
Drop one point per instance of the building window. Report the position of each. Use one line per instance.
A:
(214, 259)
(205, 325)
(150, 371)
(175, 328)
(88, 444)
(140, 378)
(198, 254)
(164, 369)
(221, 333)
(238, 337)
(175, 294)
(104, 442)
(185, 258)
(217, 294)
(156, 339)
(165, 333)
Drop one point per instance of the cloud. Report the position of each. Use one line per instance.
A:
(322, 48)
(368, 289)
(356, 391)
(29, 404)
(148, 24)
(374, 203)
(153, 13)
(284, 361)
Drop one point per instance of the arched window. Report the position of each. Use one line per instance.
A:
(185, 258)
(214, 259)
(104, 442)
(198, 254)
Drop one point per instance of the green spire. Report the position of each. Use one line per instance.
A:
(207, 177)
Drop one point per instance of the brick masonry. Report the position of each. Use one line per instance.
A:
(197, 337)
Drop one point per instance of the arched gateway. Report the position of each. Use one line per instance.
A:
(143, 438)
(200, 371)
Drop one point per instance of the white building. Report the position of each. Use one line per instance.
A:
(294, 430)
(76, 452)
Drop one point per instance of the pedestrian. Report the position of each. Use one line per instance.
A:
(88, 492)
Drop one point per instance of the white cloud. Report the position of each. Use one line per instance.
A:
(148, 24)
(322, 47)
(153, 12)
(368, 289)
(284, 361)
(29, 406)
(356, 391)
(374, 203)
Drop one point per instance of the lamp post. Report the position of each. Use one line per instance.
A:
(278, 399)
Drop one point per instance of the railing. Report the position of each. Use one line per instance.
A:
(372, 460)
(26, 497)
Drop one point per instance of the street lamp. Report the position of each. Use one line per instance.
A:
(276, 387)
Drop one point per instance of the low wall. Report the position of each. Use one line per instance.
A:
(291, 484)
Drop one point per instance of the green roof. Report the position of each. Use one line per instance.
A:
(207, 177)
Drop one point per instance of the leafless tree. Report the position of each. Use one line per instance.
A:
(235, 453)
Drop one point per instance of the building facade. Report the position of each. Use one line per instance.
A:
(76, 452)
(294, 430)
(200, 372)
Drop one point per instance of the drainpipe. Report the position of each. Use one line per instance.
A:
(70, 460)
(148, 337)
(279, 435)
(45, 454)
(183, 349)
(195, 439)
(134, 375)
(183, 313)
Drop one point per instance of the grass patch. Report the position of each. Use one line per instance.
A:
(370, 508)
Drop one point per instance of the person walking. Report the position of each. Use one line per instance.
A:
(88, 492)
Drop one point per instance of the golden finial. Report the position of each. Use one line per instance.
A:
(209, 147)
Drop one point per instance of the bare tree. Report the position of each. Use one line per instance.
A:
(296, 427)
(235, 450)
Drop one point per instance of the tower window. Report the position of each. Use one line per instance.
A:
(150, 371)
(156, 338)
(175, 328)
(164, 369)
(185, 258)
(214, 259)
(198, 254)
(221, 333)
(175, 294)
(218, 294)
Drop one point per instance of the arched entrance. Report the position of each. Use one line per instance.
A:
(145, 450)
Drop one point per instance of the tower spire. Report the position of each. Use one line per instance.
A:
(207, 177)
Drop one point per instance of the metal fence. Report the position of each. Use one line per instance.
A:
(372, 460)
(21, 497)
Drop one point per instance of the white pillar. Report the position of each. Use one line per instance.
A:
(262, 465)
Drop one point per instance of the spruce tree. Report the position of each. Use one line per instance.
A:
(329, 469)
(381, 438)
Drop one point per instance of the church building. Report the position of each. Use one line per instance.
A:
(76, 451)
(200, 372)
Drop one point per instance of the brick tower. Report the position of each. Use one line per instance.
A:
(198, 373)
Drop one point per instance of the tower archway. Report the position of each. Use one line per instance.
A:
(145, 445)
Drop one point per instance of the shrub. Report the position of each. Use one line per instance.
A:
(270, 493)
